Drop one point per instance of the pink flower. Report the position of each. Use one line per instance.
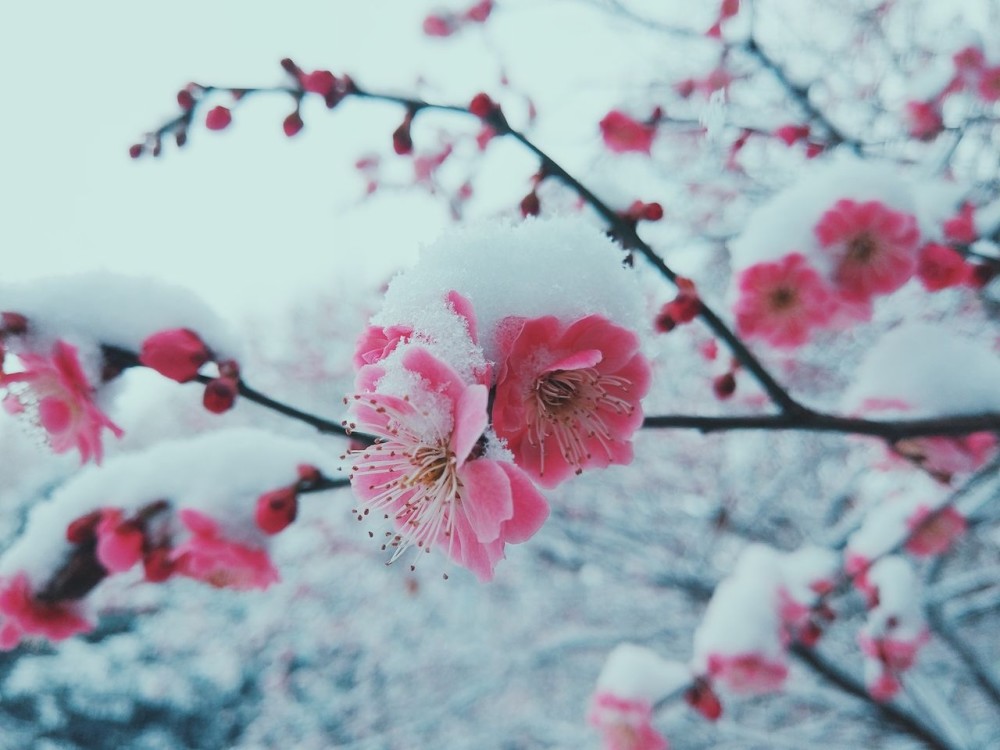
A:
(933, 536)
(989, 84)
(873, 247)
(946, 456)
(923, 120)
(625, 724)
(377, 343)
(567, 397)
(961, 227)
(428, 473)
(119, 542)
(782, 302)
(23, 614)
(897, 654)
(176, 353)
(792, 134)
(747, 673)
(62, 398)
(940, 267)
(622, 134)
(882, 684)
(208, 556)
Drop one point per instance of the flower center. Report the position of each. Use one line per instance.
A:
(570, 407)
(783, 298)
(861, 248)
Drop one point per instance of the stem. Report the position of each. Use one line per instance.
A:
(892, 714)
(811, 421)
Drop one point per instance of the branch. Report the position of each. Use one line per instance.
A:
(811, 421)
(621, 228)
(899, 718)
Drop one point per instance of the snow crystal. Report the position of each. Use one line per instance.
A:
(563, 267)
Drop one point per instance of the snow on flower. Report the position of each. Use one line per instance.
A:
(56, 393)
(24, 613)
(567, 396)
(208, 556)
(434, 469)
(632, 680)
(782, 302)
(873, 247)
(894, 630)
(740, 641)
(625, 724)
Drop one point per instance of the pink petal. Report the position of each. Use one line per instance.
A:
(530, 506)
(486, 499)
(470, 421)
(577, 360)
(463, 308)
(55, 414)
(442, 378)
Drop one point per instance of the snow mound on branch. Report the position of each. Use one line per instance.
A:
(786, 223)
(632, 672)
(929, 369)
(220, 473)
(564, 267)
(113, 309)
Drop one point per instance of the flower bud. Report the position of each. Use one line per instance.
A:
(177, 353)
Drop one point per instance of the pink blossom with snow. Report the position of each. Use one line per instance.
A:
(625, 724)
(23, 614)
(119, 542)
(748, 673)
(782, 302)
(209, 556)
(567, 396)
(873, 247)
(934, 534)
(61, 399)
(431, 470)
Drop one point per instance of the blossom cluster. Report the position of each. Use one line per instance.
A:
(200, 528)
(472, 397)
(844, 248)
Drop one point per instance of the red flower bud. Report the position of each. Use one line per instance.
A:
(220, 395)
(292, 124)
(479, 12)
(84, 528)
(12, 322)
(530, 205)
(438, 26)
(218, 118)
(185, 100)
(402, 142)
(482, 106)
(320, 82)
(157, 565)
(703, 699)
(724, 386)
(135, 150)
(276, 510)
(177, 353)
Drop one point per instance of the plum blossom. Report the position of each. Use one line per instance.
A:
(625, 724)
(60, 398)
(176, 353)
(873, 247)
(433, 469)
(208, 556)
(782, 302)
(748, 672)
(567, 396)
(622, 133)
(376, 343)
(940, 267)
(23, 613)
(933, 535)
(119, 542)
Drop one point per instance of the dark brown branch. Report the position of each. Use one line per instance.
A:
(890, 713)
(811, 421)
